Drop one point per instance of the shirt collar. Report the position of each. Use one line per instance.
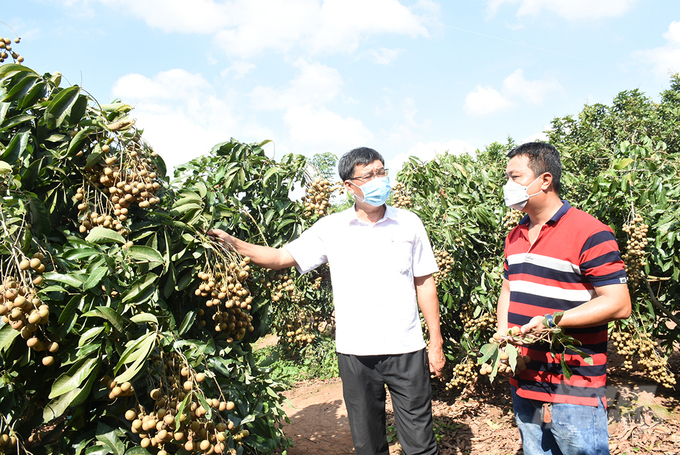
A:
(555, 218)
(352, 218)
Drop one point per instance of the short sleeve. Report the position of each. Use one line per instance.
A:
(424, 262)
(601, 260)
(308, 250)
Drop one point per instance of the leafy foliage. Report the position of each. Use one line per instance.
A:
(120, 320)
(620, 165)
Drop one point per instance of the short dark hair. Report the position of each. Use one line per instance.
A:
(362, 156)
(543, 157)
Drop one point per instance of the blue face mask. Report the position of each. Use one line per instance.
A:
(375, 192)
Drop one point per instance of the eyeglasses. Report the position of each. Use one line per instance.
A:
(371, 175)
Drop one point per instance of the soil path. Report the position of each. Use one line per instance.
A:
(642, 418)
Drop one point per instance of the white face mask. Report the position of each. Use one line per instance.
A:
(516, 195)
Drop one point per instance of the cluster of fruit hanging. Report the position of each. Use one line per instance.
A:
(634, 256)
(6, 50)
(400, 197)
(124, 175)
(445, 262)
(223, 284)
(630, 343)
(317, 199)
(20, 306)
(181, 416)
(511, 219)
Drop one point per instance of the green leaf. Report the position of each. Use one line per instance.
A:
(487, 351)
(5, 168)
(512, 356)
(95, 277)
(187, 322)
(7, 336)
(623, 163)
(16, 147)
(73, 378)
(71, 280)
(566, 371)
(59, 108)
(139, 288)
(139, 352)
(143, 318)
(58, 406)
(107, 435)
(78, 141)
(110, 315)
(89, 335)
(104, 235)
(145, 254)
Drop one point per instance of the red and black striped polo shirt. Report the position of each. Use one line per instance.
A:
(573, 253)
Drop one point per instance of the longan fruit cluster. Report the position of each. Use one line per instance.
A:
(464, 374)
(22, 309)
(6, 50)
(279, 284)
(117, 186)
(655, 365)
(471, 323)
(317, 197)
(625, 347)
(642, 345)
(8, 443)
(400, 197)
(224, 285)
(298, 332)
(169, 426)
(503, 359)
(511, 219)
(634, 257)
(445, 262)
(116, 390)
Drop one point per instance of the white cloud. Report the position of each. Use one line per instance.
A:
(427, 152)
(384, 56)
(318, 130)
(181, 115)
(247, 27)
(568, 9)
(664, 60)
(533, 92)
(239, 69)
(201, 16)
(316, 84)
(485, 100)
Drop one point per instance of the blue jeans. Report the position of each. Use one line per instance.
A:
(575, 429)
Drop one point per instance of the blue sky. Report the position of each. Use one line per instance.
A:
(404, 77)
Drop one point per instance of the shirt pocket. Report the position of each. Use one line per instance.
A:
(400, 256)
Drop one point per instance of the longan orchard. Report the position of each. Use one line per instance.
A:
(621, 165)
(125, 329)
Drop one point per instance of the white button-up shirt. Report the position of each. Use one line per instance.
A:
(372, 271)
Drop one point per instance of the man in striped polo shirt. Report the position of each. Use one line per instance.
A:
(559, 259)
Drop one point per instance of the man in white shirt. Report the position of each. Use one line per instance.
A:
(381, 266)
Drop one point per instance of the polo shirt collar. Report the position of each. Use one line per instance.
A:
(390, 212)
(555, 218)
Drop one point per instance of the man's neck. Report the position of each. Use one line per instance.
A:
(544, 213)
(369, 213)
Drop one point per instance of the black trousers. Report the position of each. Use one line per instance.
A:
(408, 378)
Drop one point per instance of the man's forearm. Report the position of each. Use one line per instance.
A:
(263, 256)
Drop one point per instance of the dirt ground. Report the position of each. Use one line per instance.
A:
(644, 418)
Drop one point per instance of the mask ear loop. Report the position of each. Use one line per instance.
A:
(356, 197)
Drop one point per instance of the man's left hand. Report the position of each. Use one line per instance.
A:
(437, 360)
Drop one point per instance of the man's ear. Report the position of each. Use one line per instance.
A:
(546, 181)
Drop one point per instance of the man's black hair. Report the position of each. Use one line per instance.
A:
(543, 157)
(362, 156)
